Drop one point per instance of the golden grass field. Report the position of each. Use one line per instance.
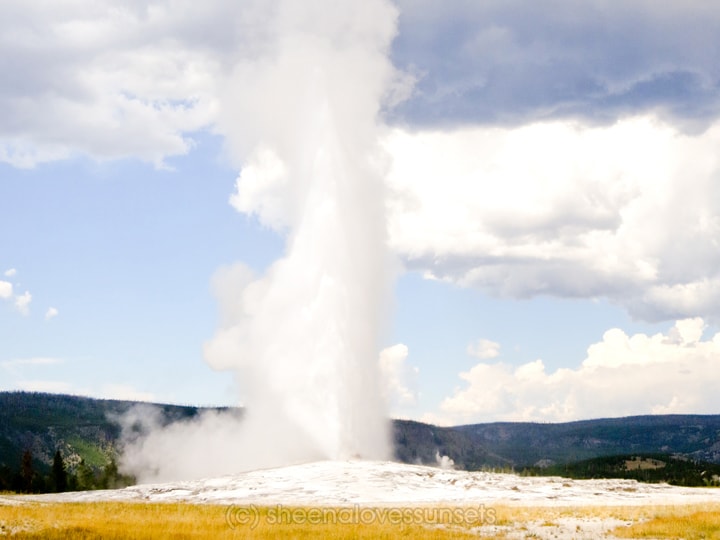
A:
(115, 520)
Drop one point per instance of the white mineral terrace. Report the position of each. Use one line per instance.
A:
(378, 483)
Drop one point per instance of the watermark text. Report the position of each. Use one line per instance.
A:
(251, 516)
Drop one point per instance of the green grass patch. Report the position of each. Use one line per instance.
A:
(93, 455)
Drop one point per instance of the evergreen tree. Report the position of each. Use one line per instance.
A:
(6, 476)
(59, 474)
(27, 472)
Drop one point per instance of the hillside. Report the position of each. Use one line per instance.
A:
(519, 445)
(642, 467)
(693, 436)
(87, 429)
(81, 428)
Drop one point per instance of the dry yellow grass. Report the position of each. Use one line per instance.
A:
(178, 521)
(690, 523)
(57, 521)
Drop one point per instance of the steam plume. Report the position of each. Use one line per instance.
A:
(301, 116)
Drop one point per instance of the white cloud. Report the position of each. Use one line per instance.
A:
(261, 189)
(629, 212)
(113, 79)
(395, 373)
(515, 62)
(22, 302)
(120, 78)
(126, 79)
(32, 361)
(484, 349)
(51, 313)
(677, 372)
(10, 273)
(6, 290)
(626, 210)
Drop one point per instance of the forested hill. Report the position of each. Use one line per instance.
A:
(518, 444)
(81, 427)
(87, 429)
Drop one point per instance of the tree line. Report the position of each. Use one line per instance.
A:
(28, 479)
(674, 470)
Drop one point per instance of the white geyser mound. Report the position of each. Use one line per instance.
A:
(300, 113)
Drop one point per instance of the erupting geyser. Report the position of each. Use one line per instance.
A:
(301, 116)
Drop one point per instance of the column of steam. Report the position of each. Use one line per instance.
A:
(304, 338)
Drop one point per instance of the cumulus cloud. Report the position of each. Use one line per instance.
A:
(512, 62)
(395, 374)
(570, 163)
(6, 290)
(51, 313)
(676, 372)
(628, 212)
(110, 80)
(261, 188)
(22, 302)
(10, 273)
(484, 349)
(137, 79)
(118, 78)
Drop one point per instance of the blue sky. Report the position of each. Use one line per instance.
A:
(551, 189)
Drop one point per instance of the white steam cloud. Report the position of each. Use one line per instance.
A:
(300, 113)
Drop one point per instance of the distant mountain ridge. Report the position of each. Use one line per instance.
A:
(524, 444)
(84, 428)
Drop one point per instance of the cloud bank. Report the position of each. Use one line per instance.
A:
(630, 212)
(565, 151)
(108, 80)
(673, 373)
(511, 62)
(138, 79)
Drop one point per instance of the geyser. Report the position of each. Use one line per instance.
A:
(301, 115)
